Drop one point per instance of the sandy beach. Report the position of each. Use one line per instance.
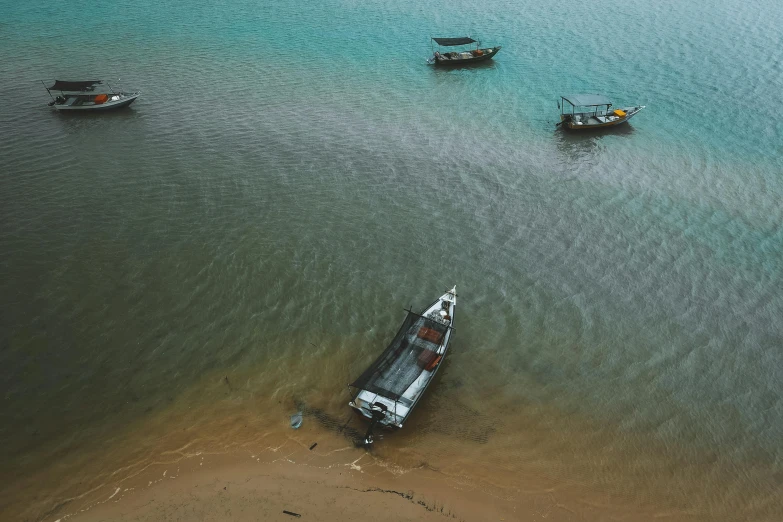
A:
(332, 481)
(240, 460)
(285, 490)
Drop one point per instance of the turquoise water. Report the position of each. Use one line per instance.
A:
(295, 174)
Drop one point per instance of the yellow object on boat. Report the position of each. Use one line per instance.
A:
(618, 112)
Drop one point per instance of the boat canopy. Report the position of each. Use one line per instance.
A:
(449, 42)
(398, 366)
(60, 85)
(587, 100)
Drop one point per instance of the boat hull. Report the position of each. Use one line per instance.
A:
(108, 106)
(450, 62)
(361, 413)
(397, 408)
(587, 125)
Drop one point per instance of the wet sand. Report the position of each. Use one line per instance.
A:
(330, 482)
(238, 459)
(255, 490)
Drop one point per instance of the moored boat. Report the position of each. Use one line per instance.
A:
(464, 56)
(87, 96)
(387, 391)
(592, 111)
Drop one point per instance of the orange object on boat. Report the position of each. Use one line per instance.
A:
(431, 366)
(101, 98)
(430, 335)
(426, 358)
(619, 113)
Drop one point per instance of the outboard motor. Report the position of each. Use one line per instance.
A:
(378, 414)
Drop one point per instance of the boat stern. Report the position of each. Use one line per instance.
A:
(369, 407)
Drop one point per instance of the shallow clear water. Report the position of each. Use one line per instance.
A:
(295, 174)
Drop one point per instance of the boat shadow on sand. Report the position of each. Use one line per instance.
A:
(339, 425)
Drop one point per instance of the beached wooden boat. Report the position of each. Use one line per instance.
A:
(592, 111)
(464, 56)
(85, 96)
(386, 393)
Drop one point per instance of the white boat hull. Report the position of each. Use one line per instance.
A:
(124, 101)
(398, 409)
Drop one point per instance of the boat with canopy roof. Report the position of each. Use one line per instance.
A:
(592, 111)
(87, 96)
(387, 391)
(465, 56)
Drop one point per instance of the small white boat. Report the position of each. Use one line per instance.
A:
(386, 393)
(592, 111)
(83, 96)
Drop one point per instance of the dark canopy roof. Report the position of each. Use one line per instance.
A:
(60, 85)
(587, 100)
(447, 42)
(398, 366)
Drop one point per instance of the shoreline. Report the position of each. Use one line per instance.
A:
(538, 464)
(253, 488)
(336, 481)
(339, 483)
(156, 471)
